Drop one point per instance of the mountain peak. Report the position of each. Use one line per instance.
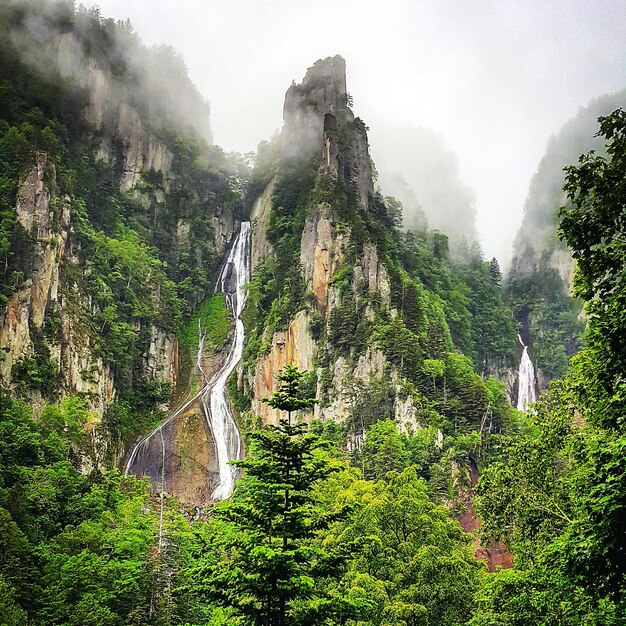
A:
(322, 91)
(330, 71)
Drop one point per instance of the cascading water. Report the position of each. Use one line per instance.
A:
(526, 390)
(235, 274)
(212, 394)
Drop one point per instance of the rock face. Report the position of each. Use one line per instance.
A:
(180, 459)
(115, 122)
(44, 294)
(542, 270)
(319, 124)
(321, 255)
(317, 118)
(260, 216)
(294, 346)
(121, 106)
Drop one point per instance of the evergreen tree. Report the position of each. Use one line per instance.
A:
(273, 572)
(494, 272)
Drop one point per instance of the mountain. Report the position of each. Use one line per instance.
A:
(384, 322)
(540, 280)
(387, 324)
(242, 389)
(115, 213)
(120, 217)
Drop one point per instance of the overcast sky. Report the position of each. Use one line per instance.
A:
(494, 78)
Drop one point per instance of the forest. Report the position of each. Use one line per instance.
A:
(384, 477)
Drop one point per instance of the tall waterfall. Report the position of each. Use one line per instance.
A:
(212, 393)
(526, 391)
(235, 274)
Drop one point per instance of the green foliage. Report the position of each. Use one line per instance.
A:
(271, 571)
(80, 548)
(526, 496)
(12, 614)
(291, 395)
(493, 328)
(544, 499)
(343, 324)
(136, 411)
(371, 403)
(211, 320)
(591, 225)
(36, 372)
(293, 191)
(385, 450)
(56, 520)
(415, 565)
(558, 493)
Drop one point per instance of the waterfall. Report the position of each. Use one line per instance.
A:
(212, 394)
(526, 391)
(235, 275)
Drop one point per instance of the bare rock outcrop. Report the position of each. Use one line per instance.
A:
(318, 120)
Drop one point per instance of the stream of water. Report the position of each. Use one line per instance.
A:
(526, 390)
(235, 275)
(212, 393)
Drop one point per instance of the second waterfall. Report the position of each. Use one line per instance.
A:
(526, 390)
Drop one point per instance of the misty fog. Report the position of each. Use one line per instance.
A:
(157, 70)
(415, 167)
(489, 81)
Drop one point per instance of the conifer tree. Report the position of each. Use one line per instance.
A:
(273, 573)
(495, 273)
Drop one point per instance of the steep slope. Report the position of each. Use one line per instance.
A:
(540, 279)
(115, 213)
(122, 275)
(387, 325)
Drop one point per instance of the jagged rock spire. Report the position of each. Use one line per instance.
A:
(316, 112)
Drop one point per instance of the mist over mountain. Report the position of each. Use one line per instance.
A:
(540, 281)
(415, 166)
(248, 389)
(55, 40)
(537, 233)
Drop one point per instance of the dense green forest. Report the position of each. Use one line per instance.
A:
(352, 522)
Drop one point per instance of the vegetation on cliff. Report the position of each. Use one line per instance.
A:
(141, 250)
(351, 522)
(557, 495)
(441, 324)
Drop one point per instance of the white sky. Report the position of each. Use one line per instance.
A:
(495, 77)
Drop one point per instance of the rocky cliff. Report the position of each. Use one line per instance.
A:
(542, 270)
(43, 295)
(342, 307)
(319, 125)
(118, 211)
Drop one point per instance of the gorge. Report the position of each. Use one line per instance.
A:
(257, 389)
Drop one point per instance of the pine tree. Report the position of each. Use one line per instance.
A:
(274, 572)
(494, 272)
